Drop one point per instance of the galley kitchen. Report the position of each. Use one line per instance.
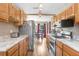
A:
(39, 29)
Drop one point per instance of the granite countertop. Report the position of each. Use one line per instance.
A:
(7, 42)
(74, 44)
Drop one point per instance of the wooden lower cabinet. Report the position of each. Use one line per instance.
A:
(23, 47)
(69, 51)
(19, 49)
(65, 53)
(58, 51)
(13, 51)
(59, 48)
(65, 50)
(26, 45)
(2, 53)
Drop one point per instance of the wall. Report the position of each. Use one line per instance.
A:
(39, 19)
(6, 27)
(75, 31)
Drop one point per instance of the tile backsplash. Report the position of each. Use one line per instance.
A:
(6, 27)
(74, 30)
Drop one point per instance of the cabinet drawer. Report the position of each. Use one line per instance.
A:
(13, 49)
(59, 44)
(70, 51)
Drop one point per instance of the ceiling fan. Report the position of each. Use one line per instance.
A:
(39, 8)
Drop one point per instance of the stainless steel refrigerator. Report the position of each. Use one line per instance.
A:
(29, 29)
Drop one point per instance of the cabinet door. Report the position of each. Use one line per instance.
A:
(18, 15)
(4, 7)
(54, 19)
(72, 10)
(2, 53)
(26, 42)
(12, 10)
(21, 48)
(25, 46)
(13, 51)
(76, 13)
(65, 54)
(67, 13)
(76, 7)
(63, 15)
(58, 51)
(58, 17)
(59, 48)
(4, 11)
(22, 17)
(70, 51)
(77, 18)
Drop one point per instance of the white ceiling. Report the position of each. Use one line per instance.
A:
(48, 8)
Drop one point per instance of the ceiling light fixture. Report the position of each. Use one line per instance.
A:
(40, 10)
(40, 6)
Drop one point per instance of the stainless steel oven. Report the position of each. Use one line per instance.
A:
(52, 45)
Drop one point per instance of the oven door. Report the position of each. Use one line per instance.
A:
(52, 46)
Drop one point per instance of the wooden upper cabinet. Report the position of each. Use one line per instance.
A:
(70, 11)
(63, 15)
(76, 7)
(67, 13)
(18, 15)
(58, 17)
(12, 10)
(76, 13)
(22, 17)
(54, 18)
(10, 13)
(4, 11)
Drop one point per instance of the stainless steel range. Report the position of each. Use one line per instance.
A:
(52, 45)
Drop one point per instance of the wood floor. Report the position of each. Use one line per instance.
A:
(40, 48)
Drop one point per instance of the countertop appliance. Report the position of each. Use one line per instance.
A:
(14, 34)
